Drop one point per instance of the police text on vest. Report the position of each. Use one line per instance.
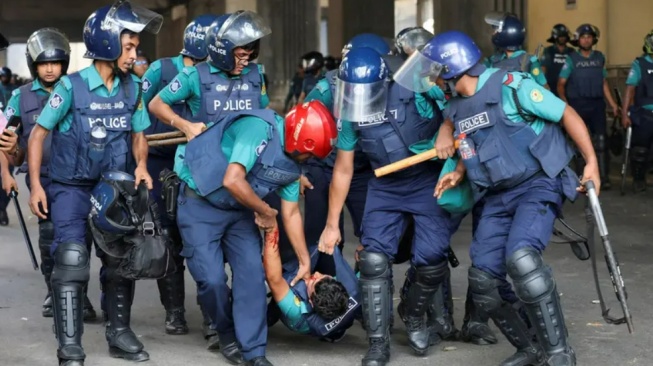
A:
(474, 122)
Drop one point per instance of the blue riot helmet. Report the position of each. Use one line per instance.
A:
(195, 37)
(361, 86)
(104, 28)
(47, 45)
(241, 29)
(559, 30)
(5, 72)
(448, 55)
(369, 40)
(3, 42)
(509, 32)
(585, 29)
(411, 39)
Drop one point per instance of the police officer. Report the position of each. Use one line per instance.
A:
(386, 120)
(221, 200)
(97, 121)
(6, 87)
(508, 38)
(313, 63)
(226, 83)
(516, 156)
(157, 77)
(4, 196)
(48, 56)
(583, 84)
(639, 88)
(554, 56)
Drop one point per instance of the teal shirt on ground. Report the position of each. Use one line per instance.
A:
(293, 308)
(61, 115)
(152, 78)
(239, 143)
(535, 67)
(568, 67)
(188, 81)
(635, 76)
(13, 106)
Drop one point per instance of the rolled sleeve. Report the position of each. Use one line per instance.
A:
(567, 68)
(634, 76)
(347, 137)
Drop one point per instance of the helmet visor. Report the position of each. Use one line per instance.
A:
(418, 73)
(243, 27)
(133, 17)
(47, 44)
(412, 40)
(357, 102)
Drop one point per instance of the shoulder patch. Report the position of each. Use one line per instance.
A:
(175, 85)
(298, 302)
(263, 90)
(146, 85)
(55, 101)
(261, 147)
(536, 71)
(9, 112)
(537, 96)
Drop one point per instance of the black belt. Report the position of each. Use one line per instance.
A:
(189, 192)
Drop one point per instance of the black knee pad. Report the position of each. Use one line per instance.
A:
(432, 275)
(485, 291)
(532, 278)
(71, 264)
(373, 265)
(640, 154)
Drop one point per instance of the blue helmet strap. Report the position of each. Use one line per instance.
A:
(135, 204)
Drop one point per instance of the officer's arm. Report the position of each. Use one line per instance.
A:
(180, 88)
(565, 72)
(562, 83)
(301, 97)
(234, 181)
(35, 153)
(292, 222)
(608, 94)
(577, 130)
(274, 271)
(151, 80)
(343, 171)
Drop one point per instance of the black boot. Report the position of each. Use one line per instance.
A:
(4, 219)
(123, 343)
(89, 312)
(535, 286)
(172, 293)
(230, 350)
(69, 276)
(639, 164)
(603, 157)
(374, 287)
(210, 334)
(485, 293)
(258, 361)
(476, 329)
(439, 315)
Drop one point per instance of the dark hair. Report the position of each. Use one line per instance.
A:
(330, 299)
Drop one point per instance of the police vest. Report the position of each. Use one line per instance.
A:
(519, 63)
(31, 105)
(208, 164)
(586, 79)
(224, 95)
(309, 82)
(361, 162)
(387, 140)
(70, 163)
(644, 91)
(507, 152)
(317, 325)
(556, 60)
(168, 72)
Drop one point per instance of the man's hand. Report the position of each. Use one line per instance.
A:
(268, 221)
(449, 180)
(303, 273)
(626, 122)
(329, 239)
(191, 130)
(591, 172)
(303, 184)
(8, 141)
(444, 143)
(8, 183)
(141, 174)
(615, 110)
(36, 198)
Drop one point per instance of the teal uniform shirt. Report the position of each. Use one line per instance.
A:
(535, 67)
(13, 106)
(293, 308)
(152, 78)
(568, 67)
(188, 81)
(635, 76)
(61, 115)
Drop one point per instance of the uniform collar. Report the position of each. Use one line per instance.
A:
(36, 86)
(95, 81)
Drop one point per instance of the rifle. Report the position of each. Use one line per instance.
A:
(28, 242)
(594, 213)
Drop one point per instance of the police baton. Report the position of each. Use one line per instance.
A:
(28, 242)
(624, 162)
(610, 258)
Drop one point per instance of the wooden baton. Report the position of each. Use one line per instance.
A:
(164, 136)
(167, 142)
(405, 163)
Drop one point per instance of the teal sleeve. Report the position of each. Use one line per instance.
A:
(13, 105)
(486, 62)
(290, 192)
(248, 136)
(265, 99)
(540, 102)
(605, 73)
(140, 118)
(536, 72)
(567, 68)
(321, 92)
(291, 308)
(58, 105)
(424, 105)
(151, 81)
(634, 76)
(347, 137)
(183, 87)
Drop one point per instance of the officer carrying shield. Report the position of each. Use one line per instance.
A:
(639, 88)
(48, 56)
(583, 84)
(508, 38)
(514, 153)
(97, 120)
(157, 77)
(554, 56)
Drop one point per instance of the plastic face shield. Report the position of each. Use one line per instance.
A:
(419, 73)
(46, 42)
(135, 18)
(243, 27)
(355, 102)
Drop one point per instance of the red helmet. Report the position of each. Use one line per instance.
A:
(310, 128)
